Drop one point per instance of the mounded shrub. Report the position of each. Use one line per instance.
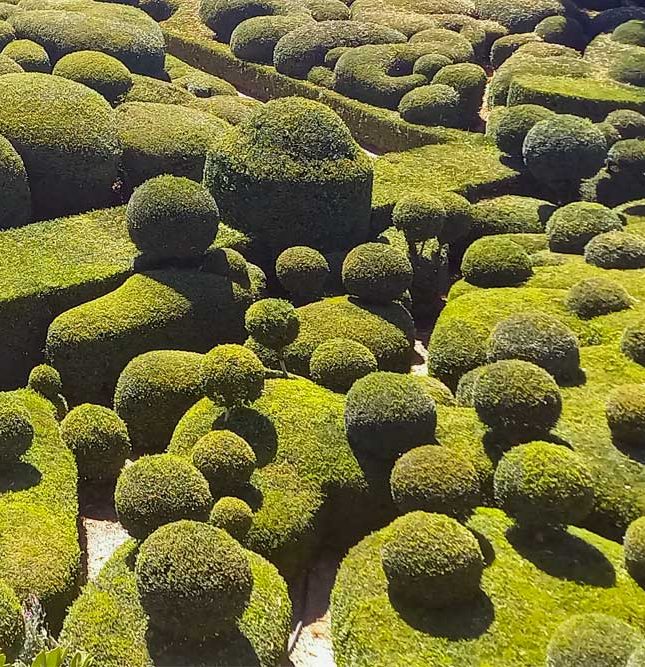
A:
(631, 32)
(386, 414)
(223, 16)
(202, 84)
(14, 184)
(504, 47)
(429, 64)
(12, 624)
(9, 66)
(561, 30)
(517, 398)
(16, 429)
(228, 263)
(431, 560)
(45, 380)
(159, 489)
(464, 394)
(29, 55)
(99, 439)
(625, 412)
(306, 181)
(609, 19)
(469, 80)
(496, 262)
(339, 362)
(435, 479)
(302, 271)
(628, 68)
(635, 549)
(539, 338)
(7, 33)
(446, 42)
(510, 214)
(376, 272)
(593, 640)
(597, 296)
(273, 323)
(458, 217)
(255, 39)
(610, 133)
(438, 390)
(171, 217)
(435, 104)
(232, 515)
(517, 15)
(420, 217)
(514, 124)
(630, 124)
(104, 74)
(196, 597)
(627, 155)
(616, 250)
(632, 342)
(226, 460)
(572, 226)
(64, 132)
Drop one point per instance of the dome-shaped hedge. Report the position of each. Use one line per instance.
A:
(225, 459)
(469, 81)
(45, 380)
(12, 624)
(7, 33)
(571, 227)
(539, 338)
(632, 342)
(16, 430)
(435, 479)
(171, 217)
(541, 484)
(431, 560)
(518, 398)
(339, 362)
(194, 580)
(592, 640)
(376, 272)
(616, 250)
(496, 262)
(635, 549)
(514, 124)
(387, 414)
(159, 489)
(629, 123)
(272, 322)
(302, 271)
(627, 155)
(99, 439)
(16, 196)
(232, 515)
(629, 67)
(435, 104)
(597, 296)
(631, 32)
(625, 411)
(29, 55)
(419, 216)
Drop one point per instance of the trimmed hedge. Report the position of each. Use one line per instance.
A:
(514, 124)
(222, 17)
(510, 214)
(469, 81)
(16, 430)
(302, 271)
(232, 515)
(496, 262)
(597, 296)
(12, 623)
(634, 544)
(632, 343)
(616, 250)
(255, 39)
(339, 362)
(29, 55)
(628, 68)
(625, 411)
(627, 155)
(630, 124)
(435, 104)
(571, 227)
(519, 15)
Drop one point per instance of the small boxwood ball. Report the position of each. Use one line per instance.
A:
(564, 149)
(435, 479)
(542, 484)
(273, 323)
(496, 262)
(225, 459)
(610, 133)
(420, 217)
(625, 413)
(232, 375)
(616, 250)
(194, 580)
(469, 80)
(632, 342)
(431, 560)
(630, 32)
(597, 296)
(159, 489)
(441, 393)
(45, 380)
(430, 64)
(99, 439)
(517, 398)
(16, 430)
(634, 543)
(12, 624)
(339, 362)
(388, 413)
(629, 123)
(458, 221)
(436, 104)
(539, 338)
(302, 271)
(376, 272)
(226, 262)
(7, 33)
(31, 56)
(515, 123)
(171, 217)
(232, 515)
(464, 393)
(571, 227)
(627, 155)
(592, 640)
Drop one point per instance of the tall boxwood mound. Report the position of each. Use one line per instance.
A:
(16, 210)
(575, 572)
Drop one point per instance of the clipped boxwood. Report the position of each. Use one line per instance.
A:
(339, 362)
(420, 217)
(630, 32)
(510, 214)
(628, 68)
(616, 250)
(255, 38)
(519, 15)
(223, 16)
(496, 262)
(469, 81)
(29, 55)
(632, 342)
(16, 429)
(45, 380)
(12, 623)
(302, 271)
(634, 544)
(630, 124)
(627, 155)
(625, 412)
(14, 184)
(514, 124)
(572, 226)
(597, 296)
(436, 104)
(232, 515)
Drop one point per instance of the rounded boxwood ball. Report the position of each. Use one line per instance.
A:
(597, 296)
(376, 272)
(458, 221)
(12, 624)
(388, 413)
(539, 338)
(571, 227)
(496, 262)
(629, 123)
(29, 55)
(159, 489)
(627, 67)
(232, 515)
(514, 124)
(99, 439)
(45, 380)
(194, 580)
(7, 33)
(517, 397)
(616, 250)
(339, 362)
(632, 342)
(634, 543)
(16, 430)
(273, 323)
(420, 217)
(430, 64)
(625, 412)
(302, 271)
(99, 71)
(542, 484)
(630, 32)
(232, 375)
(225, 459)
(464, 394)
(627, 155)
(435, 479)
(592, 640)
(435, 104)
(172, 217)
(431, 560)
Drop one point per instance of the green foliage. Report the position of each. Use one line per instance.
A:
(496, 262)
(630, 32)
(630, 124)
(429, 64)
(255, 38)
(232, 515)
(517, 398)
(510, 214)
(632, 342)
(561, 30)
(628, 68)
(12, 624)
(223, 17)
(541, 484)
(196, 597)
(99, 440)
(29, 55)
(446, 42)
(435, 479)
(625, 413)
(635, 550)
(226, 460)
(45, 380)
(616, 250)
(7, 33)
(436, 104)
(514, 124)
(469, 80)
(273, 323)
(597, 296)
(627, 155)
(57, 658)
(16, 429)
(302, 271)
(159, 489)
(339, 362)
(571, 227)
(516, 15)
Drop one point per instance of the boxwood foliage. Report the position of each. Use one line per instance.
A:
(616, 250)
(496, 262)
(571, 227)
(232, 515)
(625, 412)
(597, 296)
(12, 623)
(255, 38)
(14, 184)
(339, 362)
(635, 550)
(29, 55)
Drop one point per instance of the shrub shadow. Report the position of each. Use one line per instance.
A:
(19, 477)
(634, 452)
(497, 443)
(256, 428)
